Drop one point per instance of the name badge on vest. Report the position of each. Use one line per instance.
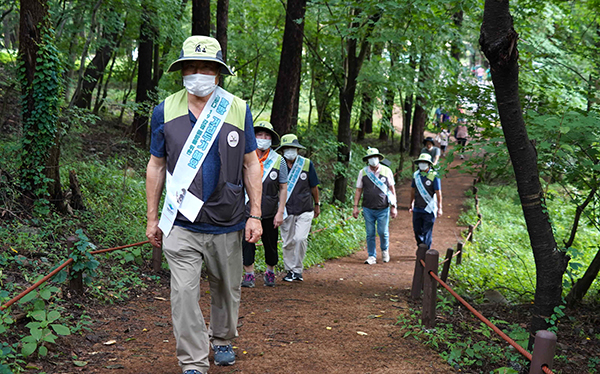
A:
(190, 161)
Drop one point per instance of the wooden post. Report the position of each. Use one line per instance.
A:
(417, 283)
(75, 277)
(459, 251)
(446, 268)
(543, 351)
(430, 288)
(156, 258)
(471, 229)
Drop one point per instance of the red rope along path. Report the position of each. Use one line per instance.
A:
(520, 349)
(58, 269)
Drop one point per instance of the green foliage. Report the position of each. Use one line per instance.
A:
(502, 240)
(469, 347)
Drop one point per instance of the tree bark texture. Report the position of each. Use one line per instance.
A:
(365, 121)
(222, 23)
(456, 45)
(287, 89)
(352, 65)
(145, 83)
(201, 17)
(418, 126)
(406, 123)
(498, 41)
(388, 112)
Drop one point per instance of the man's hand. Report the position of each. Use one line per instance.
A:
(278, 220)
(439, 212)
(317, 211)
(355, 212)
(154, 234)
(253, 230)
(394, 212)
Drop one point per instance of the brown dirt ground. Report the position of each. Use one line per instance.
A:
(312, 326)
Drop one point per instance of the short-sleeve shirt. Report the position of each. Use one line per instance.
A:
(359, 181)
(211, 168)
(283, 171)
(437, 186)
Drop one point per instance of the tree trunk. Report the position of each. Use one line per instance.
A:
(406, 123)
(222, 22)
(352, 65)
(418, 126)
(366, 115)
(456, 45)
(145, 83)
(201, 17)
(581, 287)
(388, 111)
(287, 89)
(498, 41)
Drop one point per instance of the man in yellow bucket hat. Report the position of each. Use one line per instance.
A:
(425, 199)
(376, 184)
(203, 152)
(301, 207)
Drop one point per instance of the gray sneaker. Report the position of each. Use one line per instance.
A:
(269, 279)
(224, 355)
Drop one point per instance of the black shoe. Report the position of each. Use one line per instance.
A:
(298, 277)
(290, 276)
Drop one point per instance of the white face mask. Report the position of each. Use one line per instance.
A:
(373, 161)
(199, 84)
(423, 166)
(263, 144)
(290, 154)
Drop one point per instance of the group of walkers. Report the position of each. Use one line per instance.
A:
(229, 183)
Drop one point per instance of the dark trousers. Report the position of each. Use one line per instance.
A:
(269, 238)
(423, 227)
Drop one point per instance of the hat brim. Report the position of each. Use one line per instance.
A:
(428, 140)
(419, 160)
(178, 65)
(290, 145)
(381, 157)
(274, 135)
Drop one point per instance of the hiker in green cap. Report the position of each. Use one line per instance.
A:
(203, 152)
(274, 193)
(376, 184)
(425, 199)
(301, 207)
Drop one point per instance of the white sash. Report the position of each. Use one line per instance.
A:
(382, 186)
(430, 201)
(190, 160)
(293, 177)
(267, 167)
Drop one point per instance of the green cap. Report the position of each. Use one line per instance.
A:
(266, 126)
(371, 152)
(201, 48)
(290, 140)
(424, 157)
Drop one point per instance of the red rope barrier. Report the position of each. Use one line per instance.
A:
(55, 271)
(520, 349)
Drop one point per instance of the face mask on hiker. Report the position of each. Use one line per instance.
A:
(374, 161)
(290, 154)
(200, 85)
(263, 144)
(423, 166)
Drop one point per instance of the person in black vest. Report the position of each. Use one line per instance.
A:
(274, 193)
(203, 152)
(425, 199)
(376, 184)
(301, 207)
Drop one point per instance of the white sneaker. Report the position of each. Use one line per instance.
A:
(385, 255)
(371, 260)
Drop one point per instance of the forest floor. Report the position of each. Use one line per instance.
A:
(341, 319)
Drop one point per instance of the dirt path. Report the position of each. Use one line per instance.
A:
(308, 327)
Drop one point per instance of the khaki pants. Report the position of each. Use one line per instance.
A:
(185, 251)
(294, 233)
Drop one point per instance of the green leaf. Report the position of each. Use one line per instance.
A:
(28, 348)
(39, 315)
(61, 330)
(80, 363)
(53, 316)
(43, 351)
(51, 338)
(45, 294)
(36, 333)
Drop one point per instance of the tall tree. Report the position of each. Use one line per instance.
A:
(222, 22)
(420, 115)
(498, 41)
(201, 17)
(41, 89)
(352, 65)
(287, 90)
(145, 82)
